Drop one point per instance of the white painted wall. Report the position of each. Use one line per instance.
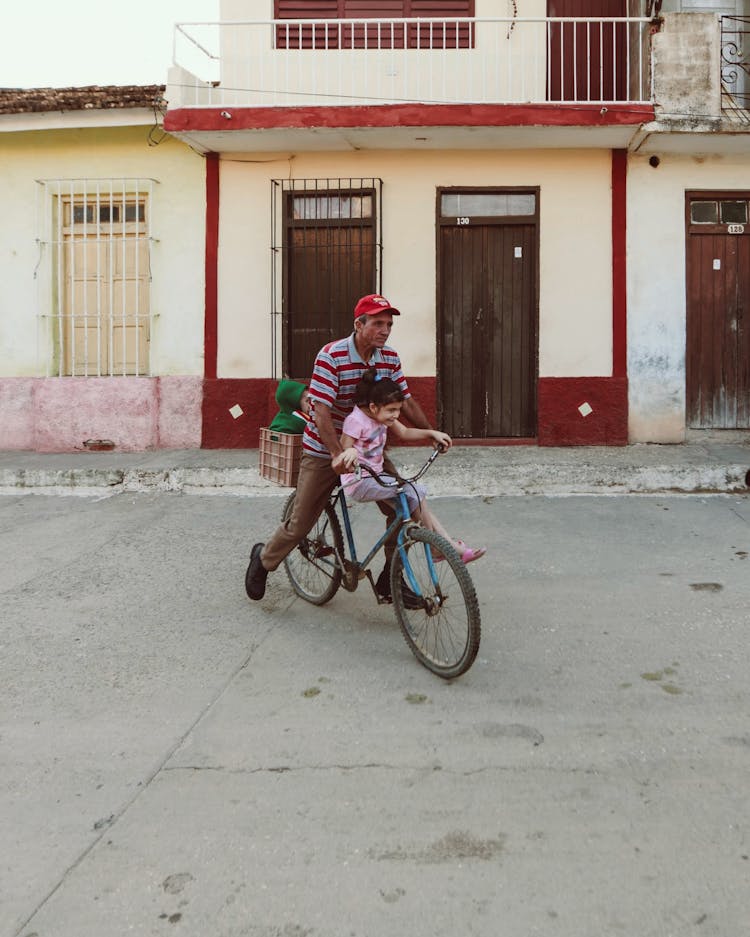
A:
(177, 290)
(507, 62)
(656, 284)
(575, 302)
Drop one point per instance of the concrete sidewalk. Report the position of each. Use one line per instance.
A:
(716, 463)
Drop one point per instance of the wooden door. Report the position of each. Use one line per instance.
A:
(329, 264)
(587, 61)
(718, 311)
(487, 345)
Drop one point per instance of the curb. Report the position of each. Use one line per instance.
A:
(476, 481)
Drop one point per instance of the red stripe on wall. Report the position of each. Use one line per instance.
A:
(211, 325)
(256, 397)
(561, 423)
(408, 115)
(619, 264)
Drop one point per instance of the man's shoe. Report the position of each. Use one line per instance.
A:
(383, 585)
(383, 588)
(255, 577)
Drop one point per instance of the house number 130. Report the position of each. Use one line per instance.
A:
(462, 220)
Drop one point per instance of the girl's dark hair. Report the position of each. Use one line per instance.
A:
(377, 390)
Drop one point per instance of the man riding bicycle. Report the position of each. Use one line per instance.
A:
(337, 371)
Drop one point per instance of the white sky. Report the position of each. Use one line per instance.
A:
(62, 43)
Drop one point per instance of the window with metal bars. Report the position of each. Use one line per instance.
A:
(94, 275)
(436, 29)
(326, 255)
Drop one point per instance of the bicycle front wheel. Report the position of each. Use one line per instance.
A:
(312, 566)
(444, 630)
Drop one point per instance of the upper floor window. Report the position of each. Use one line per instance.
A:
(433, 31)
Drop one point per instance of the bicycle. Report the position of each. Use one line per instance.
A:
(443, 627)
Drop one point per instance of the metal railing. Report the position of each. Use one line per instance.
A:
(735, 65)
(502, 60)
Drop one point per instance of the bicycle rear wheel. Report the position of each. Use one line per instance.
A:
(312, 566)
(444, 632)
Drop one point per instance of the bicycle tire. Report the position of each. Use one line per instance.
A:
(444, 633)
(312, 567)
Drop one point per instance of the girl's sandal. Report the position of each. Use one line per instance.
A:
(469, 554)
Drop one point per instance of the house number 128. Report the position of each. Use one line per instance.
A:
(463, 220)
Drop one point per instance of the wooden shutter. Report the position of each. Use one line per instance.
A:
(433, 33)
(307, 37)
(437, 34)
(370, 9)
(306, 9)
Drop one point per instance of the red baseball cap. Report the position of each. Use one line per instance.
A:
(372, 304)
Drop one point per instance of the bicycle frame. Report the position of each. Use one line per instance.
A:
(434, 602)
(401, 522)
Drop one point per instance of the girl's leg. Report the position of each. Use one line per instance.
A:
(429, 520)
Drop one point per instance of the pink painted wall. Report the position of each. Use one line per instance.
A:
(16, 412)
(180, 407)
(60, 414)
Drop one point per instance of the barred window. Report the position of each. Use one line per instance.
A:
(325, 254)
(94, 275)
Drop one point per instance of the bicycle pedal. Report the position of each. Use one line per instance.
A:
(321, 552)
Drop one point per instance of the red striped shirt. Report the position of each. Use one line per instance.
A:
(337, 371)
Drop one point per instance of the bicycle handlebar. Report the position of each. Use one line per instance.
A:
(438, 450)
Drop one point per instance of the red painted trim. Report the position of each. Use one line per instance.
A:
(255, 396)
(619, 264)
(211, 322)
(561, 423)
(407, 115)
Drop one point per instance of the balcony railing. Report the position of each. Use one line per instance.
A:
(503, 60)
(735, 66)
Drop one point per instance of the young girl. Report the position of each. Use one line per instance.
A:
(377, 407)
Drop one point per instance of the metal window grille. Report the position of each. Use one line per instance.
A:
(326, 252)
(94, 276)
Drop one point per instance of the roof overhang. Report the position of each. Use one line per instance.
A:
(407, 126)
(720, 138)
(77, 120)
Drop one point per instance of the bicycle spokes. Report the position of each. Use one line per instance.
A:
(312, 567)
(435, 604)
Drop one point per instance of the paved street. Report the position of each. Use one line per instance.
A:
(177, 760)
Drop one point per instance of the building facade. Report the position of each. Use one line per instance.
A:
(556, 198)
(102, 262)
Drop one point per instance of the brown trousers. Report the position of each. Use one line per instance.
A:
(314, 486)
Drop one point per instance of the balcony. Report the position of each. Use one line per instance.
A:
(504, 60)
(277, 85)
